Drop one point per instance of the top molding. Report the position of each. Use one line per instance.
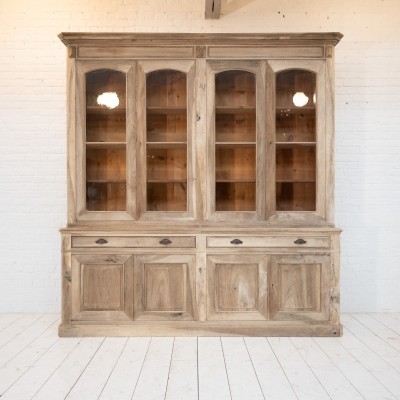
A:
(151, 39)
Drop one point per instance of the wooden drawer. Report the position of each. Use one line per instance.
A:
(134, 241)
(268, 241)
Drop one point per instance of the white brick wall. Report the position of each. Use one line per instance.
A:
(32, 129)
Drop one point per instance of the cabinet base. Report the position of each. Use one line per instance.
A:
(201, 329)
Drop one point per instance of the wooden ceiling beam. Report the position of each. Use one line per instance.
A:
(213, 9)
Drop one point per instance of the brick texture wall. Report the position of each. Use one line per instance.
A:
(33, 137)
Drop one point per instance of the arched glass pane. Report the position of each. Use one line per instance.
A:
(235, 141)
(296, 100)
(105, 140)
(166, 141)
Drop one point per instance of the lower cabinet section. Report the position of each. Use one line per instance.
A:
(202, 292)
(102, 287)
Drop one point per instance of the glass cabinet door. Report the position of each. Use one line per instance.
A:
(166, 141)
(296, 140)
(235, 141)
(105, 140)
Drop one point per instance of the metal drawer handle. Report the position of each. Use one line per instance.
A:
(165, 242)
(101, 241)
(236, 241)
(67, 276)
(300, 241)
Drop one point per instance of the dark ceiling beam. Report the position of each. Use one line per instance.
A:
(213, 9)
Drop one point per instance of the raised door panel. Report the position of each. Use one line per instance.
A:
(299, 287)
(237, 287)
(164, 288)
(102, 287)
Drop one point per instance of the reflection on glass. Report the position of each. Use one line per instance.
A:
(235, 136)
(166, 141)
(296, 141)
(105, 141)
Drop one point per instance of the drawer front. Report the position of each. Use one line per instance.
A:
(134, 241)
(268, 241)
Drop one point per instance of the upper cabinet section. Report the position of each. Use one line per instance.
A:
(205, 128)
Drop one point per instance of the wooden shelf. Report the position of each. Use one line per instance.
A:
(235, 144)
(235, 110)
(295, 181)
(106, 181)
(166, 145)
(295, 144)
(105, 110)
(105, 145)
(235, 181)
(167, 181)
(295, 110)
(166, 110)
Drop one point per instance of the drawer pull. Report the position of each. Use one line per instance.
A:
(67, 276)
(165, 242)
(101, 241)
(300, 241)
(236, 241)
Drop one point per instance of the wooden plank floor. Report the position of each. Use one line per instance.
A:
(36, 364)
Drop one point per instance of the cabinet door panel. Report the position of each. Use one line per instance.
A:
(105, 146)
(165, 126)
(164, 287)
(301, 157)
(299, 287)
(102, 287)
(236, 142)
(236, 287)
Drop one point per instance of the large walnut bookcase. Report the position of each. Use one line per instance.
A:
(200, 185)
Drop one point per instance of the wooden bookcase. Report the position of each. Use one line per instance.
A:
(200, 185)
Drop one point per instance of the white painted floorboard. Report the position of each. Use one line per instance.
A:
(363, 364)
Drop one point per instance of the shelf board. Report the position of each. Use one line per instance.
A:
(294, 144)
(295, 181)
(166, 145)
(295, 110)
(106, 181)
(105, 145)
(166, 180)
(235, 110)
(166, 110)
(236, 144)
(105, 110)
(235, 181)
